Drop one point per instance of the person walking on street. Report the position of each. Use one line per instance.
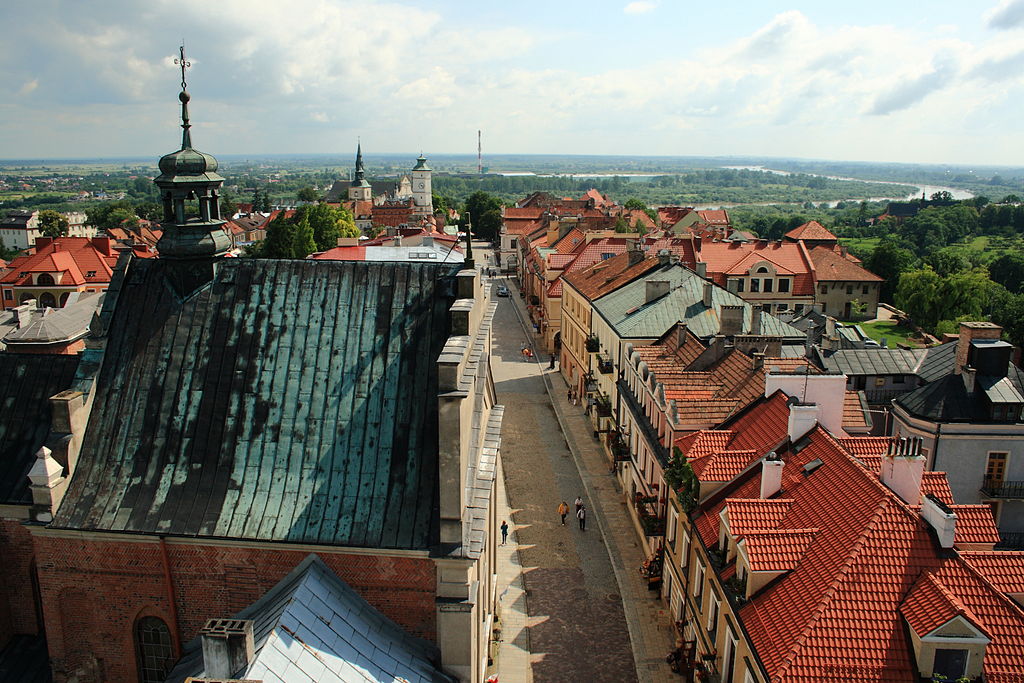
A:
(563, 510)
(579, 503)
(551, 363)
(581, 515)
(504, 531)
(568, 395)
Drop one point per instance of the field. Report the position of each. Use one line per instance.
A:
(889, 331)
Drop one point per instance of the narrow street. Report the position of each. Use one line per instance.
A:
(575, 627)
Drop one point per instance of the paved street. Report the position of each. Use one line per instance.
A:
(575, 626)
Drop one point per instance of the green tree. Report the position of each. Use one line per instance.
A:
(1008, 270)
(485, 212)
(280, 238)
(52, 223)
(948, 260)
(228, 206)
(307, 194)
(303, 243)
(918, 295)
(889, 261)
(635, 204)
(151, 211)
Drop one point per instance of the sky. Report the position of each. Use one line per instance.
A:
(936, 82)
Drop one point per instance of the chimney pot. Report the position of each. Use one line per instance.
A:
(702, 269)
(903, 469)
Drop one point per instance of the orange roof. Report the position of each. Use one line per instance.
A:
(714, 216)
(605, 276)
(1003, 570)
(73, 261)
(975, 524)
(840, 606)
(735, 258)
(777, 550)
(812, 230)
(855, 412)
(832, 267)
(723, 466)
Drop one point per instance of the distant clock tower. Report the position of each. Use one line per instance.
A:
(422, 194)
(360, 190)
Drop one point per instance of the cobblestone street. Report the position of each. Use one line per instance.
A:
(575, 626)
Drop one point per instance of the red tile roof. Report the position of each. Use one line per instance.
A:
(723, 466)
(714, 216)
(975, 524)
(836, 614)
(812, 230)
(931, 605)
(832, 267)
(777, 550)
(606, 276)
(73, 261)
(1003, 570)
(735, 258)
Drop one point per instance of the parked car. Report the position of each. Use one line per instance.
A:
(503, 291)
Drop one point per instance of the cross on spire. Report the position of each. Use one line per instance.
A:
(183, 63)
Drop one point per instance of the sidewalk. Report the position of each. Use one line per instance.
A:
(649, 626)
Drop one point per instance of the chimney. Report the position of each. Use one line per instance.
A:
(771, 475)
(103, 245)
(702, 268)
(709, 291)
(680, 334)
(755, 321)
(970, 332)
(903, 468)
(23, 313)
(427, 241)
(43, 242)
(941, 518)
(802, 418)
(968, 374)
(636, 254)
(656, 288)
(756, 360)
(663, 257)
(227, 647)
(730, 320)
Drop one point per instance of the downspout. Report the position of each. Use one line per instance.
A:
(935, 447)
(169, 586)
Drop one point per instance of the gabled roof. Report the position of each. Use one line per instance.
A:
(58, 325)
(283, 401)
(78, 260)
(931, 605)
(832, 267)
(632, 317)
(874, 361)
(724, 258)
(27, 381)
(313, 627)
(812, 230)
(606, 276)
(714, 216)
(1003, 570)
(777, 550)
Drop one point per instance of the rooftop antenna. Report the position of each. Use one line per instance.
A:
(479, 155)
(186, 137)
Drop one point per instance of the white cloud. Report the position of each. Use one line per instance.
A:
(1007, 14)
(639, 7)
(28, 87)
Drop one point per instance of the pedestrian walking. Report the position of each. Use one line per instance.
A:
(504, 531)
(581, 515)
(551, 363)
(579, 504)
(568, 395)
(563, 510)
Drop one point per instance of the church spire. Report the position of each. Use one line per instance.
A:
(186, 136)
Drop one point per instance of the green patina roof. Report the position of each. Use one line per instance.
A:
(631, 318)
(284, 401)
(421, 164)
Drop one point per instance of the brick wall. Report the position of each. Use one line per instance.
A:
(127, 581)
(17, 604)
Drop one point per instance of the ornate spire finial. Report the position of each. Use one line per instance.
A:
(468, 263)
(186, 137)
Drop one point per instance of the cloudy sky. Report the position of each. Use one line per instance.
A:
(941, 81)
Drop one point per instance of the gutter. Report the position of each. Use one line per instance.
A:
(169, 585)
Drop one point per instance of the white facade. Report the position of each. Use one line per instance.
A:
(422, 193)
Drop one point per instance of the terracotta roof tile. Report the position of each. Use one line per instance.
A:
(975, 524)
(1003, 570)
(602, 277)
(832, 267)
(723, 466)
(755, 514)
(930, 605)
(723, 258)
(812, 230)
(777, 550)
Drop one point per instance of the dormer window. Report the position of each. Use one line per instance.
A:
(91, 273)
(761, 269)
(44, 279)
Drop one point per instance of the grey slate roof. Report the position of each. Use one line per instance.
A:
(313, 628)
(947, 399)
(284, 401)
(27, 381)
(874, 361)
(624, 309)
(54, 325)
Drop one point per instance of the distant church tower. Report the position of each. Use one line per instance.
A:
(422, 195)
(360, 190)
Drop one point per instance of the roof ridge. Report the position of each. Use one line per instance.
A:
(971, 569)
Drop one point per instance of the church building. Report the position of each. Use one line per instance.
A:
(389, 204)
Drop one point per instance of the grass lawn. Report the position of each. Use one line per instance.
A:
(862, 246)
(888, 330)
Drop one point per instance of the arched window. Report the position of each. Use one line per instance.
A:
(44, 279)
(153, 650)
(761, 269)
(25, 298)
(64, 299)
(47, 300)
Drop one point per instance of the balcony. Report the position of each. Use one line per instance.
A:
(604, 364)
(593, 344)
(648, 432)
(994, 488)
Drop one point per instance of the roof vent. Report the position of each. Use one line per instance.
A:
(810, 467)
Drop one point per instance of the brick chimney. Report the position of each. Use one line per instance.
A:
(43, 242)
(680, 340)
(903, 468)
(663, 257)
(730, 320)
(771, 475)
(227, 647)
(969, 332)
(755, 320)
(656, 288)
(636, 254)
(756, 360)
(103, 245)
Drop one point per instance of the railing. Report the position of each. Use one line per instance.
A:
(604, 365)
(995, 488)
(1011, 540)
(640, 418)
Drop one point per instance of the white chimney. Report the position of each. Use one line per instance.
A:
(771, 475)
(802, 418)
(941, 519)
(228, 647)
(826, 390)
(903, 469)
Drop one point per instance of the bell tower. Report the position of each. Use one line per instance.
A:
(190, 193)
(360, 190)
(421, 192)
